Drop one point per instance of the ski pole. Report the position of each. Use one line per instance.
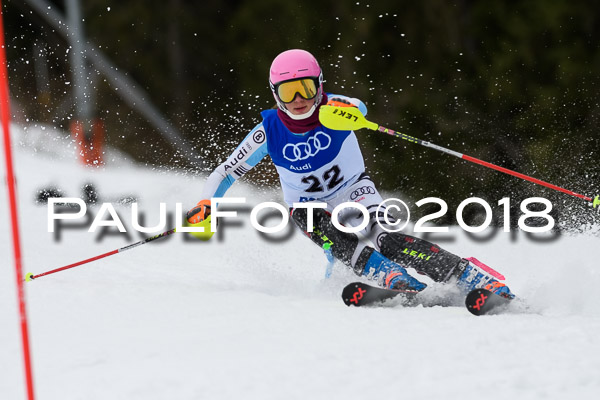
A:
(29, 276)
(350, 118)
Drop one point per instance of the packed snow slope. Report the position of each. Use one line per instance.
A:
(248, 318)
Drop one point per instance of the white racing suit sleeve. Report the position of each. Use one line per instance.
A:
(249, 153)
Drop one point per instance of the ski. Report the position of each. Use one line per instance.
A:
(482, 301)
(360, 294)
(478, 301)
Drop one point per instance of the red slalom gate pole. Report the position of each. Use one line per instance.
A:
(10, 178)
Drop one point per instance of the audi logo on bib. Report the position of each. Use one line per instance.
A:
(362, 191)
(310, 148)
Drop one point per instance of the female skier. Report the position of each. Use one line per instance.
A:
(319, 164)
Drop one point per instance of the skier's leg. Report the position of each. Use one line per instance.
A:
(346, 247)
(439, 264)
(409, 251)
(425, 257)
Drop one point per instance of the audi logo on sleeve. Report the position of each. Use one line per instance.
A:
(303, 150)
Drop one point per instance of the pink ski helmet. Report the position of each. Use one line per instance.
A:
(293, 65)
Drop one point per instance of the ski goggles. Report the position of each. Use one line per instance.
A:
(306, 87)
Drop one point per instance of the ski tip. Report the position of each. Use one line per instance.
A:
(360, 294)
(476, 301)
(353, 293)
(28, 277)
(482, 301)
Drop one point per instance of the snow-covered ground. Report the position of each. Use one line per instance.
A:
(243, 317)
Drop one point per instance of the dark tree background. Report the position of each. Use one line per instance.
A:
(512, 83)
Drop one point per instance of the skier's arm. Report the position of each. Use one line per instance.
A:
(249, 153)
